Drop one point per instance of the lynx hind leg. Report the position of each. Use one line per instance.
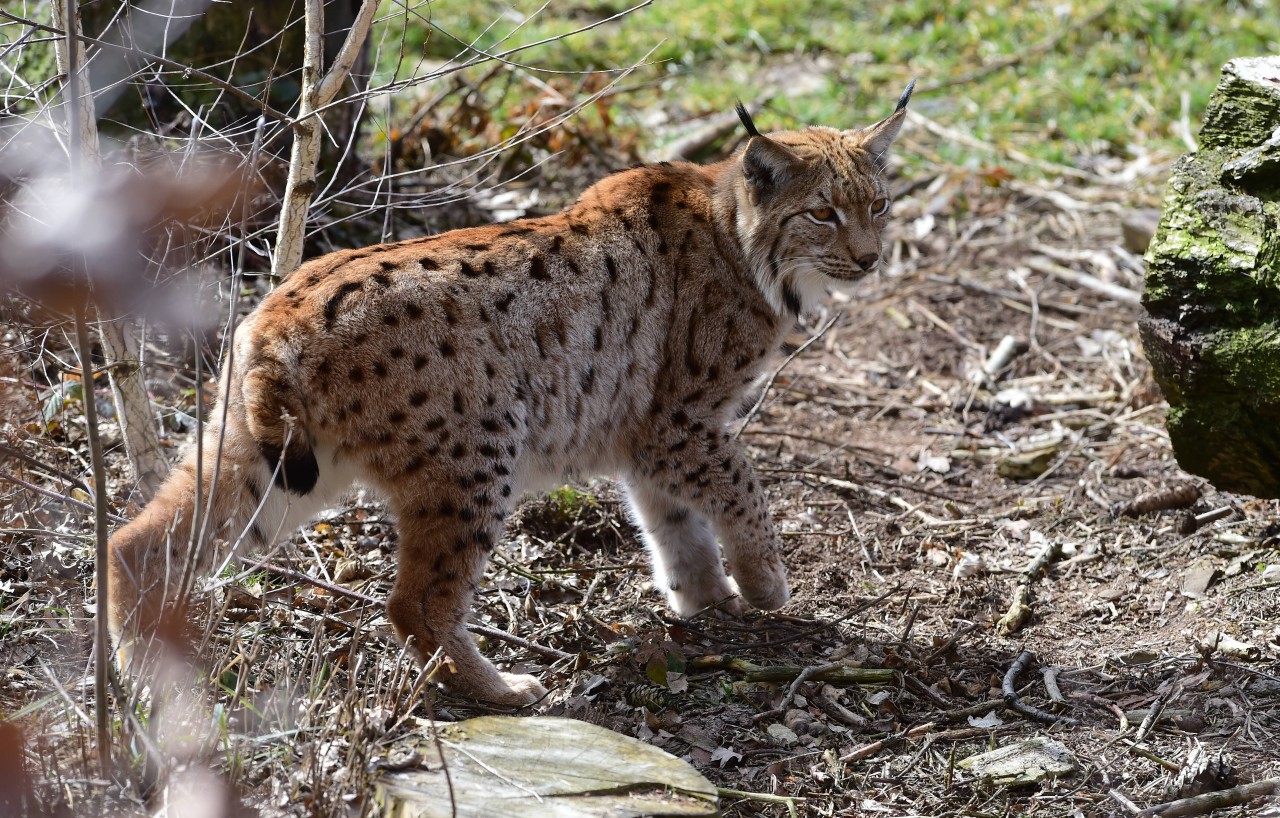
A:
(682, 546)
(445, 542)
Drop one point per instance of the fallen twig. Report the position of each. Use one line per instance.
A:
(533, 647)
(1113, 291)
(966, 733)
(1192, 523)
(1014, 703)
(835, 673)
(886, 743)
(838, 711)
(1156, 710)
(982, 289)
(1017, 615)
(1045, 46)
(762, 797)
(75, 482)
(806, 675)
(1124, 802)
(18, 481)
(924, 691)
(963, 713)
(289, 573)
(945, 648)
(1139, 750)
(1009, 348)
(1202, 804)
(707, 132)
(964, 138)
(1050, 676)
(866, 478)
(925, 731)
(1051, 552)
(1103, 704)
(1020, 609)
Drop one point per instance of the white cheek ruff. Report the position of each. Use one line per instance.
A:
(811, 286)
(798, 288)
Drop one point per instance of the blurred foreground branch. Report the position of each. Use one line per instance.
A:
(119, 337)
(83, 141)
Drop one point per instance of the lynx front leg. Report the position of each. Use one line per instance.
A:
(682, 545)
(443, 550)
(702, 466)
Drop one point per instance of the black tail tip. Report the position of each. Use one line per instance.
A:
(297, 473)
(906, 96)
(747, 121)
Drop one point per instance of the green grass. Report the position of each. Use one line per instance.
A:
(1113, 85)
(569, 501)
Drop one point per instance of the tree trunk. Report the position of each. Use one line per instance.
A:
(122, 350)
(1212, 323)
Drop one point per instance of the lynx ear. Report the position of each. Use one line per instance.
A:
(766, 165)
(877, 139)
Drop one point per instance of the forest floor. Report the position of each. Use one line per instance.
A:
(912, 496)
(919, 501)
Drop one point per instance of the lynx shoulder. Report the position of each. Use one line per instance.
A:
(457, 372)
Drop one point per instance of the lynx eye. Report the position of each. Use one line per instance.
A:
(823, 214)
(879, 207)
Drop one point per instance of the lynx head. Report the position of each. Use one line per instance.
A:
(811, 205)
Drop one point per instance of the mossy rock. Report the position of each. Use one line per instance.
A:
(1212, 299)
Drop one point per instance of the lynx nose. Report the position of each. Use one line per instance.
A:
(868, 261)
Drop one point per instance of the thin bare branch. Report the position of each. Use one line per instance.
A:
(347, 55)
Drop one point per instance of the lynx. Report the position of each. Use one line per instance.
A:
(455, 373)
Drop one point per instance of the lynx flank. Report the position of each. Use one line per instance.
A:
(457, 372)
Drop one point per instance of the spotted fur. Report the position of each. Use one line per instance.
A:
(457, 372)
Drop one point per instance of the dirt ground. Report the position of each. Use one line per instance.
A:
(914, 495)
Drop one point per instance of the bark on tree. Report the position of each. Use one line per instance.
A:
(119, 337)
(1212, 299)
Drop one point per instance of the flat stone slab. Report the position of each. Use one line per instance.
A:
(1023, 762)
(540, 766)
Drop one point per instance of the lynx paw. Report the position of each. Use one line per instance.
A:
(521, 690)
(763, 586)
(689, 599)
(735, 606)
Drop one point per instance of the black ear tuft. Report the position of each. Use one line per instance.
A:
(747, 121)
(906, 96)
